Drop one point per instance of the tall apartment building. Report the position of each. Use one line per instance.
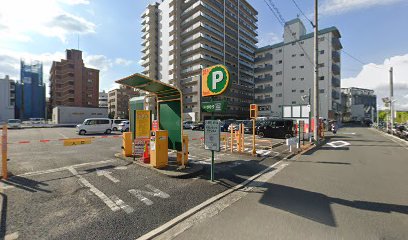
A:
(73, 84)
(284, 71)
(30, 91)
(7, 98)
(180, 38)
(118, 101)
(103, 99)
(358, 104)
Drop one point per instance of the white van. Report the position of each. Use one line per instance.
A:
(95, 125)
(116, 122)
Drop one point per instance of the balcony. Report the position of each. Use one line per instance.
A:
(335, 56)
(263, 90)
(249, 58)
(264, 69)
(190, 90)
(335, 69)
(335, 95)
(189, 110)
(190, 100)
(246, 65)
(267, 57)
(188, 80)
(266, 79)
(336, 44)
(335, 82)
(264, 101)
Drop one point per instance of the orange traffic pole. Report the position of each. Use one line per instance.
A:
(232, 139)
(4, 152)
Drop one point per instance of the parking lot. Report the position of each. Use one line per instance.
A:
(71, 192)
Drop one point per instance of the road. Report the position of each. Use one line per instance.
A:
(354, 187)
(78, 192)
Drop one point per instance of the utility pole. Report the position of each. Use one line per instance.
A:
(316, 76)
(378, 116)
(391, 98)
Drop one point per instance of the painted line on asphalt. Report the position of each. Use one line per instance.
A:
(402, 143)
(62, 135)
(108, 175)
(154, 192)
(4, 185)
(64, 168)
(94, 190)
(11, 236)
(128, 209)
(170, 224)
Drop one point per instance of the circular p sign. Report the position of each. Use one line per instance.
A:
(215, 80)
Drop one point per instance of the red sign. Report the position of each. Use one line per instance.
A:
(155, 125)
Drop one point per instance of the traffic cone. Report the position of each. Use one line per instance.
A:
(146, 155)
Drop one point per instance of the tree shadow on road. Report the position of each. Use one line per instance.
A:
(317, 206)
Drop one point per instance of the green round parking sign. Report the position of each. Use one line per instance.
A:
(215, 80)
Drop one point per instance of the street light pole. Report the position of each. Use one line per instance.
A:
(391, 98)
(316, 75)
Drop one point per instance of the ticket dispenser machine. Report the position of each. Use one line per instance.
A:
(159, 156)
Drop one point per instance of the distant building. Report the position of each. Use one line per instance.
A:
(30, 91)
(7, 98)
(285, 71)
(76, 115)
(358, 104)
(118, 101)
(180, 38)
(103, 99)
(73, 84)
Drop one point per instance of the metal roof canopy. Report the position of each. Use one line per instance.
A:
(169, 104)
(163, 91)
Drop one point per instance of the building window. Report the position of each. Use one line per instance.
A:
(280, 50)
(293, 102)
(279, 84)
(293, 67)
(321, 78)
(302, 91)
(320, 65)
(321, 90)
(279, 73)
(89, 80)
(279, 95)
(294, 34)
(301, 42)
(279, 62)
(302, 66)
(321, 51)
(293, 55)
(293, 44)
(301, 79)
(293, 79)
(321, 39)
(293, 90)
(302, 54)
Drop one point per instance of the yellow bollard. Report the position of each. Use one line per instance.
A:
(127, 144)
(232, 139)
(185, 149)
(241, 129)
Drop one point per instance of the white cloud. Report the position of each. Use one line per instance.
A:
(100, 62)
(122, 61)
(74, 2)
(21, 19)
(269, 39)
(376, 76)
(330, 7)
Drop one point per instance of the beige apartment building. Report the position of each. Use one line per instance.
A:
(180, 38)
(118, 101)
(73, 84)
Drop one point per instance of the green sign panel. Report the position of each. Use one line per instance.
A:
(215, 106)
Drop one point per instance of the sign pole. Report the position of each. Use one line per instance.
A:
(4, 152)
(212, 151)
(253, 137)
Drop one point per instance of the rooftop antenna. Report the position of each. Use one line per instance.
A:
(78, 41)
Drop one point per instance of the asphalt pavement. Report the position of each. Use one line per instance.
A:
(353, 187)
(84, 192)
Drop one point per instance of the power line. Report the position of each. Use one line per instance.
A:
(282, 21)
(297, 6)
(361, 62)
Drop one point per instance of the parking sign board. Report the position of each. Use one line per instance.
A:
(212, 135)
(214, 81)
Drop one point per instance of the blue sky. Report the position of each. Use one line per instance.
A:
(110, 35)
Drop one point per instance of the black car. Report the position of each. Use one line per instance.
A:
(197, 126)
(277, 128)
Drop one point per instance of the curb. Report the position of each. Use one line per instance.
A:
(196, 169)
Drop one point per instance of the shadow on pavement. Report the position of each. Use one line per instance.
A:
(340, 163)
(26, 184)
(316, 206)
(3, 220)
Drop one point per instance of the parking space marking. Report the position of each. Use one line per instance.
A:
(94, 190)
(62, 135)
(4, 186)
(11, 236)
(154, 193)
(128, 209)
(107, 174)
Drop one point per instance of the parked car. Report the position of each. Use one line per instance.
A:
(402, 132)
(14, 123)
(187, 124)
(225, 124)
(124, 126)
(95, 125)
(37, 122)
(116, 122)
(276, 128)
(197, 126)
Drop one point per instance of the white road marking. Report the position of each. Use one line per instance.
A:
(4, 186)
(338, 144)
(128, 209)
(107, 175)
(200, 212)
(63, 135)
(94, 190)
(347, 133)
(120, 168)
(65, 168)
(11, 236)
(154, 193)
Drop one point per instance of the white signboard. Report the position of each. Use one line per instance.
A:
(287, 111)
(296, 111)
(212, 135)
(305, 111)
